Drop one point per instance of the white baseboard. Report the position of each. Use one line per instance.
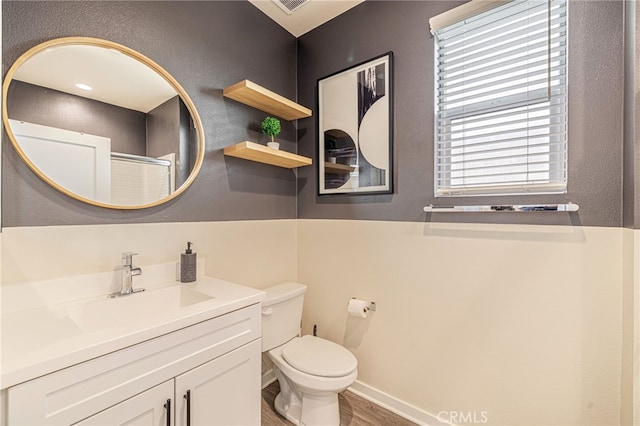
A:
(393, 404)
(401, 408)
(267, 378)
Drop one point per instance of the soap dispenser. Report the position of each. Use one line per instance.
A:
(188, 265)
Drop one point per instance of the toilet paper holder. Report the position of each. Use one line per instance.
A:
(371, 307)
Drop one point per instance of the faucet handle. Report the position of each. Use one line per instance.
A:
(126, 258)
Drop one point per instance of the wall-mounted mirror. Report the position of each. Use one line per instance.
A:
(102, 123)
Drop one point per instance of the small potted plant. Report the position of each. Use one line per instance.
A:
(271, 127)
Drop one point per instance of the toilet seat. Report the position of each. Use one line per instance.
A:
(319, 357)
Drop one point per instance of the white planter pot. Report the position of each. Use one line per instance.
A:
(274, 145)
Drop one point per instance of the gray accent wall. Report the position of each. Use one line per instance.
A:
(632, 116)
(168, 131)
(596, 65)
(206, 46)
(209, 45)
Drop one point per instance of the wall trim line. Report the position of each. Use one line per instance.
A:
(395, 405)
(384, 400)
(267, 378)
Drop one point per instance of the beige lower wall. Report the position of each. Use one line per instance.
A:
(253, 253)
(630, 403)
(523, 323)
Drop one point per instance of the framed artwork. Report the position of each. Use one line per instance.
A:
(355, 130)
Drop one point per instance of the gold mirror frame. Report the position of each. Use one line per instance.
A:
(88, 41)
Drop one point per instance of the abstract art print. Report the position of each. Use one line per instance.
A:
(356, 129)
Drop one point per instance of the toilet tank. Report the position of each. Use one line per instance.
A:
(281, 314)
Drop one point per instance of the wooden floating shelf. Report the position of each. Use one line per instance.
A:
(254, 95)
(337, 168)
(263, 154)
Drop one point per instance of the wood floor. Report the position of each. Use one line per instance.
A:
(354, 411)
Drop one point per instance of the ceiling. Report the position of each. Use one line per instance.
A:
(115, 78)
(311, 15)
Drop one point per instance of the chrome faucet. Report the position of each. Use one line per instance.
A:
(128, 272)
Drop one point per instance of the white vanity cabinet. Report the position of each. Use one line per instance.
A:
(221, 392)
(218, 361)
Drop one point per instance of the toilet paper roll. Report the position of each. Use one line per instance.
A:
(358, 308)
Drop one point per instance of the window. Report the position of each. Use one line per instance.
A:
(501, 99)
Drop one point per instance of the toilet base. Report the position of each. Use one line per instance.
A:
(313, 410)
(291, 413)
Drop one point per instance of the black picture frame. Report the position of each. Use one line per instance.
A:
(355, 129)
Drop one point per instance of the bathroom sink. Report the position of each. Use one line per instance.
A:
(52, 325)
(135, 307)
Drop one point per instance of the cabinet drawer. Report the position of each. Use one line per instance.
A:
(75, 393)
(146, 409)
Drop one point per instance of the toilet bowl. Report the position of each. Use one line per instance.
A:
(311, 371)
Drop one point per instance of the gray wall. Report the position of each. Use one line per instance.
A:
(163, 128)
(40, 105)
(631, 116)
(209, 45)
(206, 46)
(168, 129)
(375, 27)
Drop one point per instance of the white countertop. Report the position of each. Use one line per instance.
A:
(41, 340)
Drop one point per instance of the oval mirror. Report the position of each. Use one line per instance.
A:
(102, 123)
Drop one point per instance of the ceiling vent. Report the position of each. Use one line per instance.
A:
(290, 6)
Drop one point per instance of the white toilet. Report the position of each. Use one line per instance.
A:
(311, 371)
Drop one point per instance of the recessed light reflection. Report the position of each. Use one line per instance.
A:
(83, 86)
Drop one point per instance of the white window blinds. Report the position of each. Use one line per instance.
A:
(501, 101)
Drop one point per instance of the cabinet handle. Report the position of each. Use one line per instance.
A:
(187, 396)
(167, 406)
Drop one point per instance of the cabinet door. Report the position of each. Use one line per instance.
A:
(154, 407)
(225, 391)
